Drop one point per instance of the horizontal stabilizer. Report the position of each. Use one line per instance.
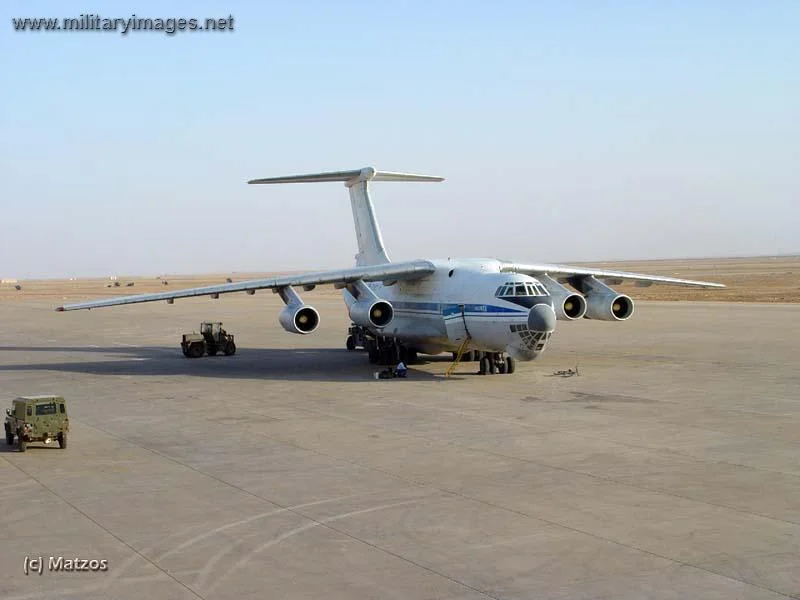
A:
(350, 177)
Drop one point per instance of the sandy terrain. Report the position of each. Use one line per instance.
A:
(765, 279)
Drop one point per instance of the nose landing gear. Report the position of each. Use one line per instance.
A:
(496, 362)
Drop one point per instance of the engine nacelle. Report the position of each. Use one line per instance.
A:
(299, 318)
(602, 302)
(371, 313)
(609, 307)
(568, 305)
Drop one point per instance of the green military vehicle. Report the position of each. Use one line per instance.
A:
(211, 339)
(37, 419)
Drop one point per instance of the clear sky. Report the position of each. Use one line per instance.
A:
(567, 131)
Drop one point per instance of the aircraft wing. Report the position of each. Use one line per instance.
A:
(386, 272)
(563, 273)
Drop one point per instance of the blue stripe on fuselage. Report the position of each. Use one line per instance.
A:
(449, 309)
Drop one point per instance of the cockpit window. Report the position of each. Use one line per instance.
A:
(514, 289)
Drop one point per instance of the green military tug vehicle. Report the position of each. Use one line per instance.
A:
(211, 339)
(37, 419)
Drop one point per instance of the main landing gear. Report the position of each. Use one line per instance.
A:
(489, 362)
(496, 362)
(385, 351)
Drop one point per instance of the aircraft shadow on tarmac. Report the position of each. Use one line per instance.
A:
(306, 364)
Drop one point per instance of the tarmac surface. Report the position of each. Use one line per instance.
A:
(669, 468)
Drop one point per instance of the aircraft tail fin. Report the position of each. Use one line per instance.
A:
(371, 250)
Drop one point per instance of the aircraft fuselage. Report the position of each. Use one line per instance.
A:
(468, 298)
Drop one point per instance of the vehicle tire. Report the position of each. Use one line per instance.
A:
(62, 440)
(350, 344)
(511, 365)
(23, 445)
(9, 436)
(196, 350)
(230, 349)
(211, 350)
(484, 369)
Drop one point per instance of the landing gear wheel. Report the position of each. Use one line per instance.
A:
(484, 368)
(492, 366)
(389, 356)
(62, 440)
(9, 437)
(511, 365)
(350, 344)
(230, 349)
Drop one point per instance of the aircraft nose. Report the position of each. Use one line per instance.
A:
(542, 318)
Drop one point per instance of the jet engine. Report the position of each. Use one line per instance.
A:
(568, 305)
(371, 314)
(368, 310)
(297, 317)
(604, 303)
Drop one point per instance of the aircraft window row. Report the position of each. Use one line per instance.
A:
(520, 289)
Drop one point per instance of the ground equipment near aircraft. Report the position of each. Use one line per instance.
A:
(356, 337)
(566, 372)
(37, 419)
(211, 339)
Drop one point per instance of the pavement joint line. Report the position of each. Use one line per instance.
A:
(105, 529)
(594, 438)
(289, 509)
(536, 518)
(475, 499)
(654, 490)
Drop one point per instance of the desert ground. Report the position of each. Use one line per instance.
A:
(668, 468)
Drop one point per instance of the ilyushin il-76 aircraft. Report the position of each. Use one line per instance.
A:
(489, 310)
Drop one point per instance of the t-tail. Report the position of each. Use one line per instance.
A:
(371, 250)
